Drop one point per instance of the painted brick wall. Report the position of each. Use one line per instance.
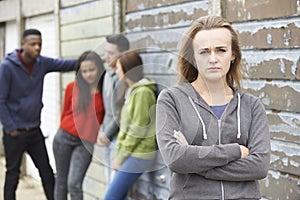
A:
(269, 35)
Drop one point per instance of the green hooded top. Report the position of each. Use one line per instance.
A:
(136, 136)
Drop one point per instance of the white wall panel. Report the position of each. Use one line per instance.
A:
(51, 95)
(11, 37)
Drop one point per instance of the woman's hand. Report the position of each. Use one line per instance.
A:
(180, 138)
(102, 139)
(244, 151)
(115, 165)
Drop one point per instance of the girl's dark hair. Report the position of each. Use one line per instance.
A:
(132, 66)
(84, 95)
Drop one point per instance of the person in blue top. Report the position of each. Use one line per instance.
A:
(21, 86)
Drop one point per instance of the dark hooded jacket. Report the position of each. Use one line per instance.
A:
(21, 92)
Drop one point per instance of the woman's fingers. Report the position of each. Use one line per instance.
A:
(180, 137)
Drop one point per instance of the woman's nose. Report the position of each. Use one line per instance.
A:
(212, 57)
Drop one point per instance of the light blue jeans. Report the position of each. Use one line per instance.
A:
(125, 177)
(109, 152)
(72, 157)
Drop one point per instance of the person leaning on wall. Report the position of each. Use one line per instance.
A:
(135, 148)
(82, 114)
(213, 137)
(22, 75)
(114, 46)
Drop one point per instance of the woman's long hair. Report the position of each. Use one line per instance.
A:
(132, 66)
(186, 61)
(84, 94)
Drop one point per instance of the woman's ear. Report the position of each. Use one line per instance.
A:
(232, 58)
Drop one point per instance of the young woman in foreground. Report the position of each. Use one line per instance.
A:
(213, 137)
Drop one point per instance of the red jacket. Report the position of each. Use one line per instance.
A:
(81, 124)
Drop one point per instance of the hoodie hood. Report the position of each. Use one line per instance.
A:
(13, 58)
(145, 82)
(195, 98)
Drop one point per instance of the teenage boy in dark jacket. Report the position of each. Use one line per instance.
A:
(21, 86)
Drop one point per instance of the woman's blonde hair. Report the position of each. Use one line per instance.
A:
(186, 62)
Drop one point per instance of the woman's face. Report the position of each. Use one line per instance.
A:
(89, 72)
(119, 70)
(213, 54)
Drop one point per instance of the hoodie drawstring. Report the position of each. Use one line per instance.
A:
(238, 117)
(201, 120)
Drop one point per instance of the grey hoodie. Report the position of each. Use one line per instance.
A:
(211, 167)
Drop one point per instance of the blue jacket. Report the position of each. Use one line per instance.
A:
(21, 92)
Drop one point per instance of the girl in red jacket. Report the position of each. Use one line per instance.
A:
(81, 117)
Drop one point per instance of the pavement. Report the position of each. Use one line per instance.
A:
(28, 188)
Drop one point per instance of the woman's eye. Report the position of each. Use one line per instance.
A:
(221, 50)
(202, 52)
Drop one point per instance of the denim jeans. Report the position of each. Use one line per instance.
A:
(125, 177)
(108, 155)
(72, 157)
(32, 142)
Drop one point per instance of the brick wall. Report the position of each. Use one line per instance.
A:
(269, 35)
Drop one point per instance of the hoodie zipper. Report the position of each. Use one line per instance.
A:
(222, 185)
(219, 131)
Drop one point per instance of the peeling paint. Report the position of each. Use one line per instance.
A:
(249, 16)
(294, 163)
(295, 85)
(285, 161)
(254, 27)
(267, 182)
(288, 103)
(289, 149)
(177, 8)
(286, 40)
(290, 124)
(269, 38)
(255, 85)
(282, 66)
(275, 174)
(266, 101)
(141, 6)
(253, 58)
(274, 158)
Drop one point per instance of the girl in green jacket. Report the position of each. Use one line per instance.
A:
(136, 143)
